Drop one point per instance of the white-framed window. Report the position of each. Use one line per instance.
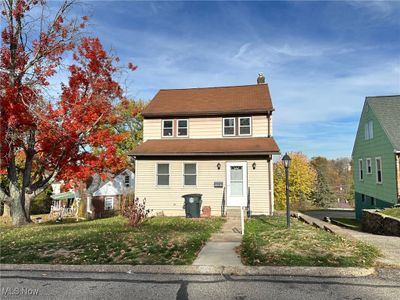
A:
(108, 203)
(127, 180)
(245, 126)
(228, 126)
(167, 128)
(378, 162)
(369, 130)
(369, 166)
(162, 174)
(189, 174)
(360, 170)
(183, 127)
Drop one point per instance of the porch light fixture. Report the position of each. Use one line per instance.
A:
(254, 165)
(286, 163)
(218, 166)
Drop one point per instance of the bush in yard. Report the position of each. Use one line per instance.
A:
(135, 211)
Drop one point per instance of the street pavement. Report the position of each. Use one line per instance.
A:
(94, 285)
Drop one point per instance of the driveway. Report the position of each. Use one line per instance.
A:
(331, 213)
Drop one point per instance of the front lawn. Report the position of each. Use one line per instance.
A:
(267, 241)
(159, 240)
(392, 212)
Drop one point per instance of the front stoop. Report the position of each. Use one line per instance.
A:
(220, 250)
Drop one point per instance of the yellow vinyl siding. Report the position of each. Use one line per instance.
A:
(151, 129)
(201, 128)
(260, 126)
(168, 199)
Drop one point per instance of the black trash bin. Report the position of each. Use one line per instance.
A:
(192, 205)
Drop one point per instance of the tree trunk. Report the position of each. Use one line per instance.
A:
(6, 210)
(19, 216)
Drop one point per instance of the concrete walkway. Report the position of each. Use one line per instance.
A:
(220, 249)
(389, 245)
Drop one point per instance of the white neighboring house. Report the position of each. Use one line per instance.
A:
(64, 203)
(107, 197)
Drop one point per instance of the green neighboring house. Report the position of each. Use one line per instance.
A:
(376, 154)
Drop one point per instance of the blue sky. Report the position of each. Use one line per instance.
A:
(320, 59)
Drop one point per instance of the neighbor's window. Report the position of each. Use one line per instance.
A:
(162, 174)
(369, 167)
(108, 203)
(127, 181)
(245, 126)
(167, 128)
(372, 201)
(189, 174)
(229, 126)
(362, 198)
(182, 127)
(378, 170)
(360, 169)
(369, 130)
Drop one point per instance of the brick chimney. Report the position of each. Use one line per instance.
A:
(260, 78)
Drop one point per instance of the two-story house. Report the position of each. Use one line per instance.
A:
(214, 141)
(376, 154)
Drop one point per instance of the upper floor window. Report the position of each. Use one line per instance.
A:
(360, 169)
(189, 174)
(127, 180)
(182, 127)
(369, 130)
(244, 126)
(167, 128)
(229, 126)
(378, 170)
(162, 174)
(369, 166)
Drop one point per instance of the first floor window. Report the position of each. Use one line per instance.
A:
(182, 127)
(108, 203)
(229, 126)
(369, 167)
(360, 169)
(168, 128)
(362, 198)
(163, 174)
(189, 174)
(372, 201)
(378, 170)
(245, 126)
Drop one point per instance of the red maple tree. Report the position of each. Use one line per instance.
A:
(46, 136)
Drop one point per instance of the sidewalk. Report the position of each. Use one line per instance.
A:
(389, 245)
(220, 249)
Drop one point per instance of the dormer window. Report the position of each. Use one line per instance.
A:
(229, 126)
(245, 126)
(167, 128)
(127, 181)
(182, 127)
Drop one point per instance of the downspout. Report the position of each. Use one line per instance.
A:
(269, 124)
(270, 185)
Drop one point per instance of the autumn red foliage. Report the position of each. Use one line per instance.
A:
(46, 136)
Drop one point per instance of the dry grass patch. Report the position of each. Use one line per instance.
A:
(267, 241)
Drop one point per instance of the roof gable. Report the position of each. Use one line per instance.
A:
(387, 111)
(210, 101)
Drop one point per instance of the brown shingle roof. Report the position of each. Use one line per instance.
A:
(203, 147)
(211, 101)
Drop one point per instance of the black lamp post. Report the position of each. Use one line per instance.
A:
(286, 163)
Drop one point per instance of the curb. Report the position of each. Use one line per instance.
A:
(196, 270)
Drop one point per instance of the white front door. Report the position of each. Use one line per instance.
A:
(236, 181)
